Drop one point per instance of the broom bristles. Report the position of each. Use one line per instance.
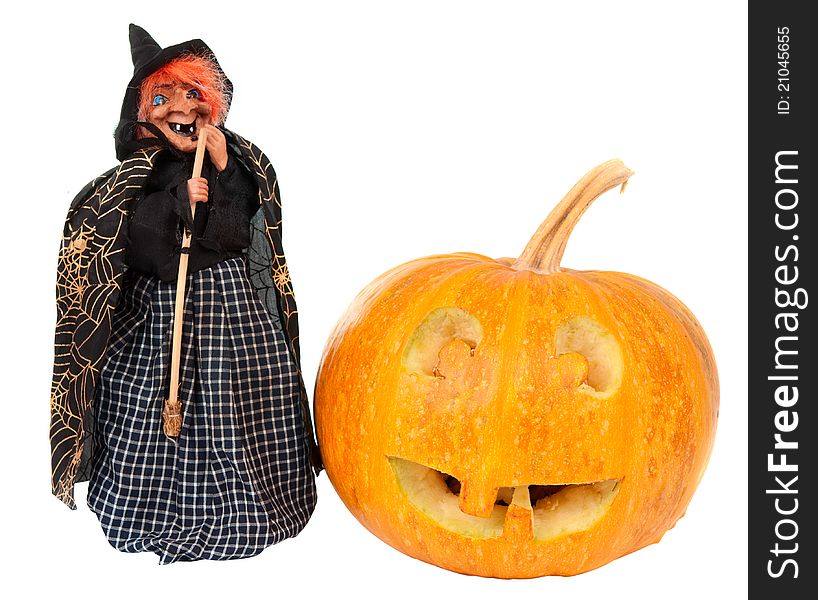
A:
(172, 415)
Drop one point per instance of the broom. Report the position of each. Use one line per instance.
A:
(172, 412)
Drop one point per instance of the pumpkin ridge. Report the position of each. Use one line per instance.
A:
(462, 296)
(503, 388)
(512, 362)
(347, 328)
(460, 277)
(692, 331)
(693, 431)
(685, 316)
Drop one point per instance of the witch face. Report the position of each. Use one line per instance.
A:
(178, 90)
(178, 109)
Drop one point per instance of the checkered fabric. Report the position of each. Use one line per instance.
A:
(237, 478)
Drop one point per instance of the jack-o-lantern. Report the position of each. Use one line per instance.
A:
(511, 418)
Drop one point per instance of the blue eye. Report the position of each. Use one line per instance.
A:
(194, 93)
(159, 100)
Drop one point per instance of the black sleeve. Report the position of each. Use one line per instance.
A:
(237, 185)
(233, 202)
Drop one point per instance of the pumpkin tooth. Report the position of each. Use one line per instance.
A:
(477, 499)
(436, 495)
(519, 524)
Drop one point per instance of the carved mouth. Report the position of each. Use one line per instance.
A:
(552, 510)
(183, 129)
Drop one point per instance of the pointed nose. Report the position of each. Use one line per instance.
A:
(182, 104)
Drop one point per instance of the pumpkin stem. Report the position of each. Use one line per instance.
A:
(546, 247)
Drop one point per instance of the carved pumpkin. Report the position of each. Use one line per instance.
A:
(511, 418)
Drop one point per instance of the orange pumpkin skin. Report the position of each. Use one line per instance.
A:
(514, 412)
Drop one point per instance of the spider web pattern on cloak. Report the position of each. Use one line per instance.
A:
(89, 275)
(268, 265)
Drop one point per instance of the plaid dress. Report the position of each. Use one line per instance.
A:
(237, 479)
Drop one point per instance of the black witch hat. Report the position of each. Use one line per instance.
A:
(147, 57)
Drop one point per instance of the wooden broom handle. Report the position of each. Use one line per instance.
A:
(172, 412)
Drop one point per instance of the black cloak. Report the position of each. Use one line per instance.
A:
(90, 270)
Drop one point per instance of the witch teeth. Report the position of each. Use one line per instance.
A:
(185, 129)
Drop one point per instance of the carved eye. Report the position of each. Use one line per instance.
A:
(440, 327)
(159, 100)
(594, 343)
(193, 93)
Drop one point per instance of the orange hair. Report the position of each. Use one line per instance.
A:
(198, 71)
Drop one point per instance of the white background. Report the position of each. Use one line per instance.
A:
(397, 130)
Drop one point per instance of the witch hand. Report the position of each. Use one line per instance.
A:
(197, 190)
(216, 147)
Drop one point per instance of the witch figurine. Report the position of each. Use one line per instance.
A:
(177, 389)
